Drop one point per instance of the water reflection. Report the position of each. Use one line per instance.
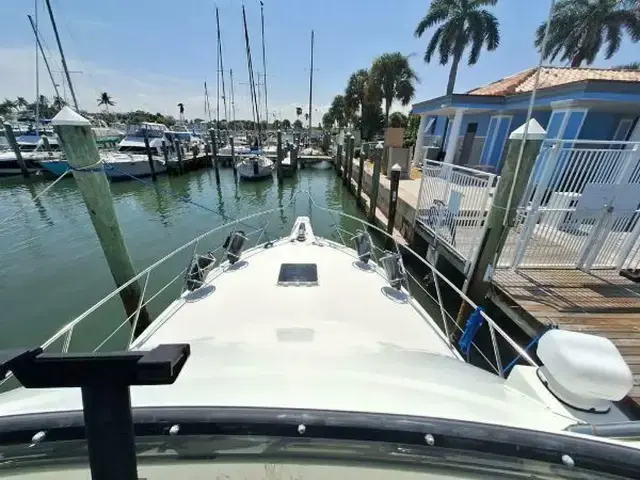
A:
(38, 204)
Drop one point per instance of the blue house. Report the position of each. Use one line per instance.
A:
(571, 103)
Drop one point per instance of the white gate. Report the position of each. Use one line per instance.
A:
(453, 206)
(581, 207)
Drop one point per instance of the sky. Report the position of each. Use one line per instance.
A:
(153, 54)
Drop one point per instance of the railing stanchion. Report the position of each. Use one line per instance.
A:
(135, 320)
(496, 349)
(443, 313)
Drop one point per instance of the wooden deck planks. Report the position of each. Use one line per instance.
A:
(600, 303)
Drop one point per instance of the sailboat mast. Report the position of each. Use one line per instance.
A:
(44, 57)
(233, 102)
(311, 86)
(264, 66)
(221, 66)
(64, 61)
(218, 78)
(252, 83)
(35, 4)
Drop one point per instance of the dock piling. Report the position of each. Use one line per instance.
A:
(352, 146)
(78, 142)
(152, 167)
(16, 149)
(179, 153)
(512, 179)
(233, 159)
(345, 160)
(375, 185)
(394, 186)
(338, 160)
(279, 156)
(214, 147)
(47, 145)
(360, 176)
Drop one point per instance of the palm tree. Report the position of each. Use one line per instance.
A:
(579, 28)
(338, 110)
(58, 103)
(286, 124)
(327, 121)
(297, 125)
(355, 93)
(21, 103)
(7, 106)
(398, 120)
(462, 24)
(106, 100)
(181, 111)
(391, 78)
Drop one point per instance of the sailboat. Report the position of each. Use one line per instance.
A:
(331, 369)
(256, 165)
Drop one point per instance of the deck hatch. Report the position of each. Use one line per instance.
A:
(298, 274)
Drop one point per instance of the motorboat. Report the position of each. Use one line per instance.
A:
(131, 159)
(255, 166)
(106, 134)
(332, 369)
(33, 151)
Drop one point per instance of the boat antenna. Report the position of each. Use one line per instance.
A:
(252, 83)
(64, 61)
(311, 87)
(44, 57)
(264, 65)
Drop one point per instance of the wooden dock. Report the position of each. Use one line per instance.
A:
(600, 303)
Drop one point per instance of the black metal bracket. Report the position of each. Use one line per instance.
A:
(104, 379)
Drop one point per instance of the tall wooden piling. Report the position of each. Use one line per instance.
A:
(179, 153)
(338, 161)
(214, 146)
(233, 158)
(393, 200)
(152, 167)
(345, 162)
(76, 137)
(375, 185)
(16, 149)
(279, 156)
(352, 146)
(513, 182)
(293, 152)
(165, 154)
(47, 145)
(360, 176)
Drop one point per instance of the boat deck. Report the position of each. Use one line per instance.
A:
(601, 303)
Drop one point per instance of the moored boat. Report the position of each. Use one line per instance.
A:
(255, 166)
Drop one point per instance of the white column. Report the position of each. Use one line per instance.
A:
(417, 153)
(453, 136)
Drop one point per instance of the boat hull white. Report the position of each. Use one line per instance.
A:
(255, 168)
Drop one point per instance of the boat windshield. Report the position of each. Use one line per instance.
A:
(150, 131)
(273, 443)
(133, 149)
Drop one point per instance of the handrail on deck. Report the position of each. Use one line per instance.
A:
(439, 278)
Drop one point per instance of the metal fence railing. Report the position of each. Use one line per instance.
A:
(580, 209)
(453, 206)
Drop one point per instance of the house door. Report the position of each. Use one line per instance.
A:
(467, 144)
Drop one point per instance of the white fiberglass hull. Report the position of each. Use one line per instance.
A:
(123, 166)
(255, 167)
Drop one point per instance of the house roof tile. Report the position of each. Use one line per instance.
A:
(524, 81)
